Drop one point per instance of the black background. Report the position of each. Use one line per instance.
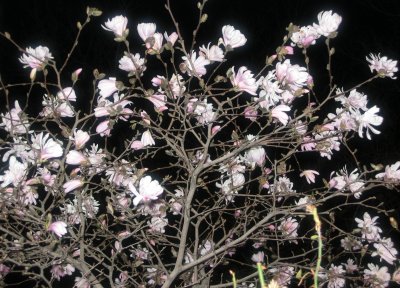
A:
(367, 26)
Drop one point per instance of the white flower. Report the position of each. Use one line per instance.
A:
(369, 230)
(147, 139)
(213, 54)
(15, 174)
(244, 80)
(232, 38)
(310, 175)
(117, 25)
(58, 228)
(385, 250)
(146, 30)
(132, 63)
(368, 120)
(279, 113)
(67, 93)
(36, 58)
(255, 155)
(80, 138)
(258, 257)
(197, 68)
(15, 121)
(335, 277)
(148, 190)
(328, 23)
(382, 65)
(46, 147)
(75, 158)
(294, 76)
(392, 172)
(72, 185)
(377, 277)
(106, 87)
(305, 37)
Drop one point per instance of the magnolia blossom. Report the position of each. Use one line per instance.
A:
(376, 276)
(132, 63)
(305, 37)
(104, 128)
(147, 139)
(335, 277)
(171, 38)
(72, 185)
(196, 65)
(288, 227)
(159, 101)
(310, 175)
(46, 147)
(16, 173)
(82, 282)
(80, 138)
(59, 228)
(294, 76)
(232, 185)
(382, 65)
(157, 224)
(258, 257)
(255, 155)
(36, 58)
(213, 53)
(67, 93)
(279, 113)
(244, 80)
(367, 121)
(117, 25)
(75, 158)
(369, 230)
(146, 30)
(59, 270)
(328, 23)
(107, 87)
(148, 190)
(15, 121)
(232, 38)
(385, 250)
(392, 172)
(350, 266)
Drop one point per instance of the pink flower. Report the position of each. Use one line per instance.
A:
(385, 250)
(232, 38)
(104, 128)
(58, 228)
(80, 138)
(195, 66)
(36, 58)
(47, 148)
(368, 120)
(310, 175)
(147, 139)
(215, 129)
(376, 276)
(146, 30)
(255, 155)
(72, 185)
(75, 158)
(279, 113)
(171, 38)
(250, 113)
(382, 65)
(117, 25)
(369, 230)
(136, 145)
(67, 93)
(258, 257)
(107, 87)
(305, 37)
(159, 102)
(244, 80)
(59, 270)
(213, 53)
(392, 172)
(15, 121)
(328, 23)
(132, 63)
(148, 190)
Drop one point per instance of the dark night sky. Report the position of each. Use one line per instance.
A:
(367, 26)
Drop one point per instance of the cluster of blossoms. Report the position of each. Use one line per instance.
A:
(44, 166)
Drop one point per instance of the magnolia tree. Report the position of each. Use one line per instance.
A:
(188, 167)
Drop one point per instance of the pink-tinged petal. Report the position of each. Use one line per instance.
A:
(215, 129)
(72, 185)
(136, 145)
(76, 158)
(59, 228)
